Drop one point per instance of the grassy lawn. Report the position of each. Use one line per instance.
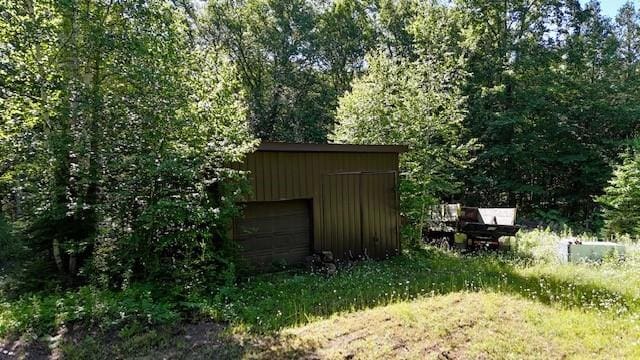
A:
(425, 303)
(472, 325)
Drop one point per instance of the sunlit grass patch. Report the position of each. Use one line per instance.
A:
(472, 325)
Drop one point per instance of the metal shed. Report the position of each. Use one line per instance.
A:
(320, 197)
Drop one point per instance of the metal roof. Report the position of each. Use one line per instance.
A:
(352, 148)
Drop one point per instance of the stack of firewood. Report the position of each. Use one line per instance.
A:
(321, 262)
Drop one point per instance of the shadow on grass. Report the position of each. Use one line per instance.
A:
(272, 302)
(203, 340)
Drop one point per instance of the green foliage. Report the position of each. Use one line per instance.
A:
(272, 43)
(621, 200)
(417, 103)
(550, 96)
(345, 34)
(119, 134)
(44, 314)
(6, 240)
(551, 103)
(296, 58)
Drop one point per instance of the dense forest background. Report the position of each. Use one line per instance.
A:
(546, 90)
(120, 120)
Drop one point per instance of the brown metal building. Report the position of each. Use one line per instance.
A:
(317, 197)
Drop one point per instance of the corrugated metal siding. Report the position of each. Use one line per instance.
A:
(278, 176)
(380, 215)
(341, 210)
(287, 175)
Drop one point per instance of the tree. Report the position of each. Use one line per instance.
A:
(506, 57)
(120, 134)
(345, 33)
(392, 22)
(417, 103)
(547, 104)
(273, 45)
(628, 31)
(621, 200)
(296, 58)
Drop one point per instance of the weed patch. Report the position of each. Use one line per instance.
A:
(44, 314)
(273, 302)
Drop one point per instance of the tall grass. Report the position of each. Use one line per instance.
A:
(542, 244)
(274, 301)
(619, 276)
(271, 302)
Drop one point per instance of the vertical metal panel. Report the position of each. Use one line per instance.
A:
(298, 174)
(372, 213)
(341, 211)
(250, 163)
(379, 210)
(379, 214)
(336, 214)
(365, 203)
(353, 217)
(308, 175)
(266, 177)
(387, 203)
(289, 167)
(271, 162)
(316, 193)
(355, 233)
(250, 167)
(280, 189)
(331, 214)
(368, 232)
(293, 177)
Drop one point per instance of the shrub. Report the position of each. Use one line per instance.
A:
(44, 314)
(621, 201)
(7, 242)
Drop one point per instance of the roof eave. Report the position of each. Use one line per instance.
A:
(305, 147)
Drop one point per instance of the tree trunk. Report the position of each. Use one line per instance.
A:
(56, 255)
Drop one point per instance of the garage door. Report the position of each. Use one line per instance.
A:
(275, 231)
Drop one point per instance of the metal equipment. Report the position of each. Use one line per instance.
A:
(575, 250)
(469, 227)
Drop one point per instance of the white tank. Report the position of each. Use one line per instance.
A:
(573, 250)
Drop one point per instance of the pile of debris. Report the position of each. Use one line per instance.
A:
(322, 262)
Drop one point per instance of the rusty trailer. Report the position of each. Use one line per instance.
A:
(469, 227)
